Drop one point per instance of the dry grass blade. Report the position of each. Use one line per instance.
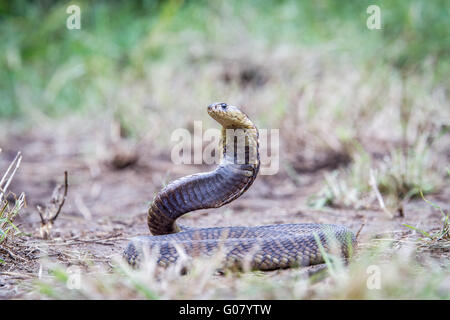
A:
(9, 175)
(7, 214)
(373, 184)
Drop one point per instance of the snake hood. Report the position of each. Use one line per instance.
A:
(240, 137)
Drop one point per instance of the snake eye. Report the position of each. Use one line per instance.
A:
(223, 105)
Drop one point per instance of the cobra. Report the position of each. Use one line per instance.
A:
(261, 247)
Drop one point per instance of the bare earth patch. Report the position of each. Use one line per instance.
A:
(107, 206)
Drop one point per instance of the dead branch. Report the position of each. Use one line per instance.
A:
(49, 214)
(360, 229)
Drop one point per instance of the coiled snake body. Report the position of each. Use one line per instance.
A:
(262, 247)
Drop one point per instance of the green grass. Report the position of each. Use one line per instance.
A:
(128, 68)
(399, 177)
(439, 239)
(7, 212)
(57, 71)
(7, 215)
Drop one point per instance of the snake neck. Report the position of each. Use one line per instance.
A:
(238, 168)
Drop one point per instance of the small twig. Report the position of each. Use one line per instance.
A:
(359, 231)
(17, 274)
(39, 209)
(104, 241)
(66, 187)
(50, 213)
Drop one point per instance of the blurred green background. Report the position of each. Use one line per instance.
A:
(340, 93)
(48, 67)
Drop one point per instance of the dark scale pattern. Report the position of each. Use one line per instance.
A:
(268, 247)
(262, 247)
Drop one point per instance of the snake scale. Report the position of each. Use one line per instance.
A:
(261, 247)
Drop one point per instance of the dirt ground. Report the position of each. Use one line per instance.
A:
(106, 206)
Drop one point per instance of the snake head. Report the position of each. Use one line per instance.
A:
(229, 116)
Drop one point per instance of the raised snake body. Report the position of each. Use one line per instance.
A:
(261, 247)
